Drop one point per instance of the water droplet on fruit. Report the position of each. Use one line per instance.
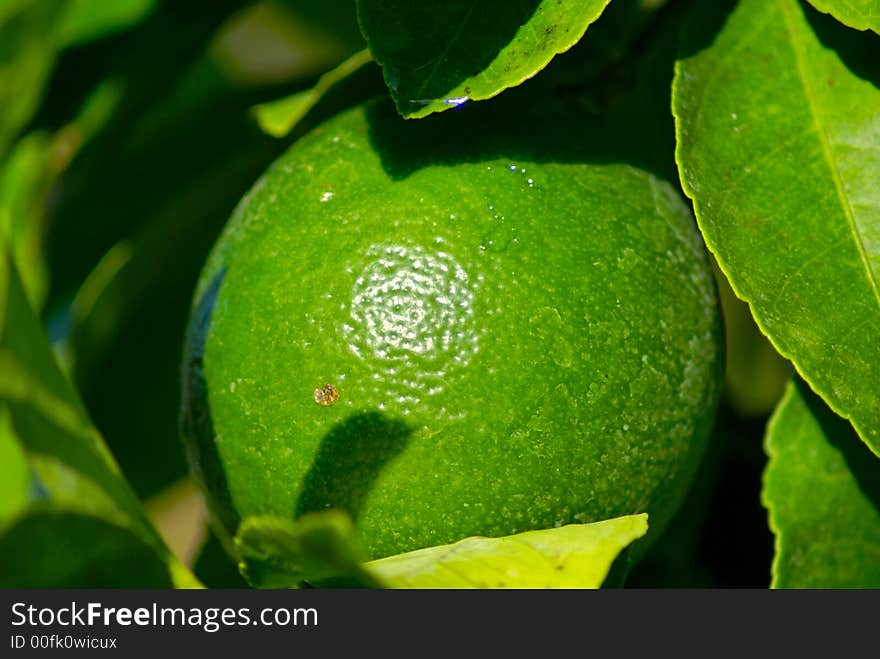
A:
(499, 234)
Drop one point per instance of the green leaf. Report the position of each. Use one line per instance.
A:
(68, 500)
(779, 147)
(280, 553)
(822, 488)
(27, 180)
(860, 14)
(323, 548)
(31, 36)
(28, 177)
(128, 317)
(50, 547)
(436, 56)
(27, 53)
(16, 475)
(572, 556)
(277, 118)
(24, 182)
(86, 20)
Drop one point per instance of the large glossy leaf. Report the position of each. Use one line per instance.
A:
(778, 124)
(572, 556)
(436, 56)
(860, 14)
(822, 488)
(68, 518)
(324, 548)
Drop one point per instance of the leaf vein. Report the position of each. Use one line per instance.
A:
(809, 93)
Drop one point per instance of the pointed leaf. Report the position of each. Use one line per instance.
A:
(860, 14)
(572, 556)
(822, 488)
(779, 147)
(438, 55)
(278, 118)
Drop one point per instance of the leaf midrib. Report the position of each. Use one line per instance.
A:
(809, 93)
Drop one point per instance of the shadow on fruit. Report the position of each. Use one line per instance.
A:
(196, 422)
(350, 458)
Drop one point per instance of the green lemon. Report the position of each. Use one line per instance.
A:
(466, 325)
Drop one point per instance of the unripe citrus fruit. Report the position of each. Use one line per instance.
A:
(448, 328)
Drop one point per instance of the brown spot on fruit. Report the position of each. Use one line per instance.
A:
(326, 395)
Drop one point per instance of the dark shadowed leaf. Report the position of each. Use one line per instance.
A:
(69, 518)
(436, 56)
(215, 568)
(50, 547)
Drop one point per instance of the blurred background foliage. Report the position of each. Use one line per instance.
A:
(130, 130)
